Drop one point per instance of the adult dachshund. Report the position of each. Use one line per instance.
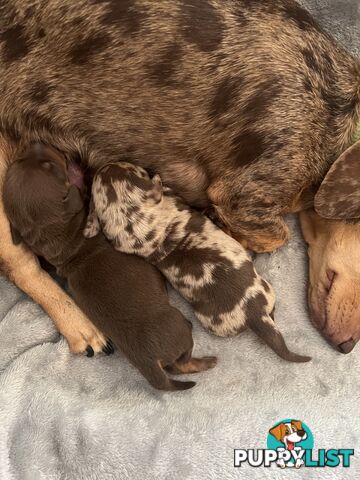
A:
(240, 104)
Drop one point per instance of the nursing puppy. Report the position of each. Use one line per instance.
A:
(209, 268)
(122, 294)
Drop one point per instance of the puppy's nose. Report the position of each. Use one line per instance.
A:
(348, 346)
(301, 433)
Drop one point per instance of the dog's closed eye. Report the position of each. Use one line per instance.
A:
(330, 280)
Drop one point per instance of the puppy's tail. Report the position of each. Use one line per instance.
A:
(156, 376)
(177, 385)
(266, 329)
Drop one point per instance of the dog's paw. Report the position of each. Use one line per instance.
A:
(87, 339)
(262, 245)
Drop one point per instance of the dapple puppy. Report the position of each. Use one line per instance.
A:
(243, 104)
(210, 269)
(122, 294)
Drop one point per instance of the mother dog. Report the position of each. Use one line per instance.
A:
(243, 104)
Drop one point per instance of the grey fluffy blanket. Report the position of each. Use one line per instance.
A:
(68, 417)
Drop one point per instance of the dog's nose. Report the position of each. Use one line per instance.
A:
(348, 346)
(301, 433)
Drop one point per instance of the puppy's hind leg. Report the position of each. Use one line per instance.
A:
(188, 364)
(156, 376)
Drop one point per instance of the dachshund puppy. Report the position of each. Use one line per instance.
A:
(122, 294)
(209, 268)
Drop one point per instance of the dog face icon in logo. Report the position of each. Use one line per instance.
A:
(290, 433)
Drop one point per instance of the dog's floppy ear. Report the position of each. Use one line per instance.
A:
(92, 227)
(277, 432)
(73, 200)
(297, 424)
(338, 197)
(15, 235)
(310, 223)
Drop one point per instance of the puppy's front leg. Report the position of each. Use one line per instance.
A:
(22, 268)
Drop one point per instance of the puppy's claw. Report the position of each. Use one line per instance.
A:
(89, 351)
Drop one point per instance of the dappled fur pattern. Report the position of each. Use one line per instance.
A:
(241, 103)
(211, 270)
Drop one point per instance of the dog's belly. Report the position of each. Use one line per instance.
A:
(156, 83)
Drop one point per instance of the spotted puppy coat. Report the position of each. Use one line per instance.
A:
(210, 269)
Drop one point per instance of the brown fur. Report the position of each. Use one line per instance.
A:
(339, 195)
(205, 90)
(123, 295)
(244, 104)
(22, 268)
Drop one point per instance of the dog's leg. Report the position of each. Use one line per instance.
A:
(251, 211)
(23, 269)
(191, 365)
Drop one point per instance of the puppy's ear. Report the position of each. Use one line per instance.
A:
(92, 227)
(338, 197)
(277, 432)
(157, 190)
(73, 200)
(15, 235)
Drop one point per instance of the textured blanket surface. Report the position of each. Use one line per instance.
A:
(66, 417)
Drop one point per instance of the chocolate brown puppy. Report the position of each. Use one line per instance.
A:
(122, 294)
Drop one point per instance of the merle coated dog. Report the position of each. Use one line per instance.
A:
(240, 104)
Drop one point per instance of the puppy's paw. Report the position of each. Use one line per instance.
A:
(208, 362)
(92, 227)
(90, 230)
